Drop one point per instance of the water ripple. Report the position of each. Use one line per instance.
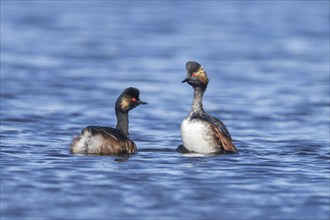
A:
(64, 65)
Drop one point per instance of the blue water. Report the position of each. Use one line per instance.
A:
(64, 63)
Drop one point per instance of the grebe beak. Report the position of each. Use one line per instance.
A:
(141, 102)
(185, 80)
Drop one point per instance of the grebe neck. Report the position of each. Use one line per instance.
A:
(122, 122)
(197, 104)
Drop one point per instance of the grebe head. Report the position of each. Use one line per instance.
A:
(196, 75)
(128, 100)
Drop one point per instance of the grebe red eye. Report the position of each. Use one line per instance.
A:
(133, 99)
(194, 74)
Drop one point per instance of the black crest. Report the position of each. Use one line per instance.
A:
(133, 92)
(192, 67)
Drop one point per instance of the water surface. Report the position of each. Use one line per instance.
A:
(63, 65)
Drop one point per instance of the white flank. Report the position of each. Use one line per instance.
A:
(89, 143)
(196, 137)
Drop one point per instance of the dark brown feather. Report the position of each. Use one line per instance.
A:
(114, 142)
(223, 139)
(103, 140)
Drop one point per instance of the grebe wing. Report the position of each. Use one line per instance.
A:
(107, 131)
(220, 125)
(223, 138)
(112, 140)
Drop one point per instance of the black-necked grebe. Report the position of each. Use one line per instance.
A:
(201, 132)
(107, 140)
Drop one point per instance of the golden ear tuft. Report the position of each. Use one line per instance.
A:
(202, 75)
(124, 103)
